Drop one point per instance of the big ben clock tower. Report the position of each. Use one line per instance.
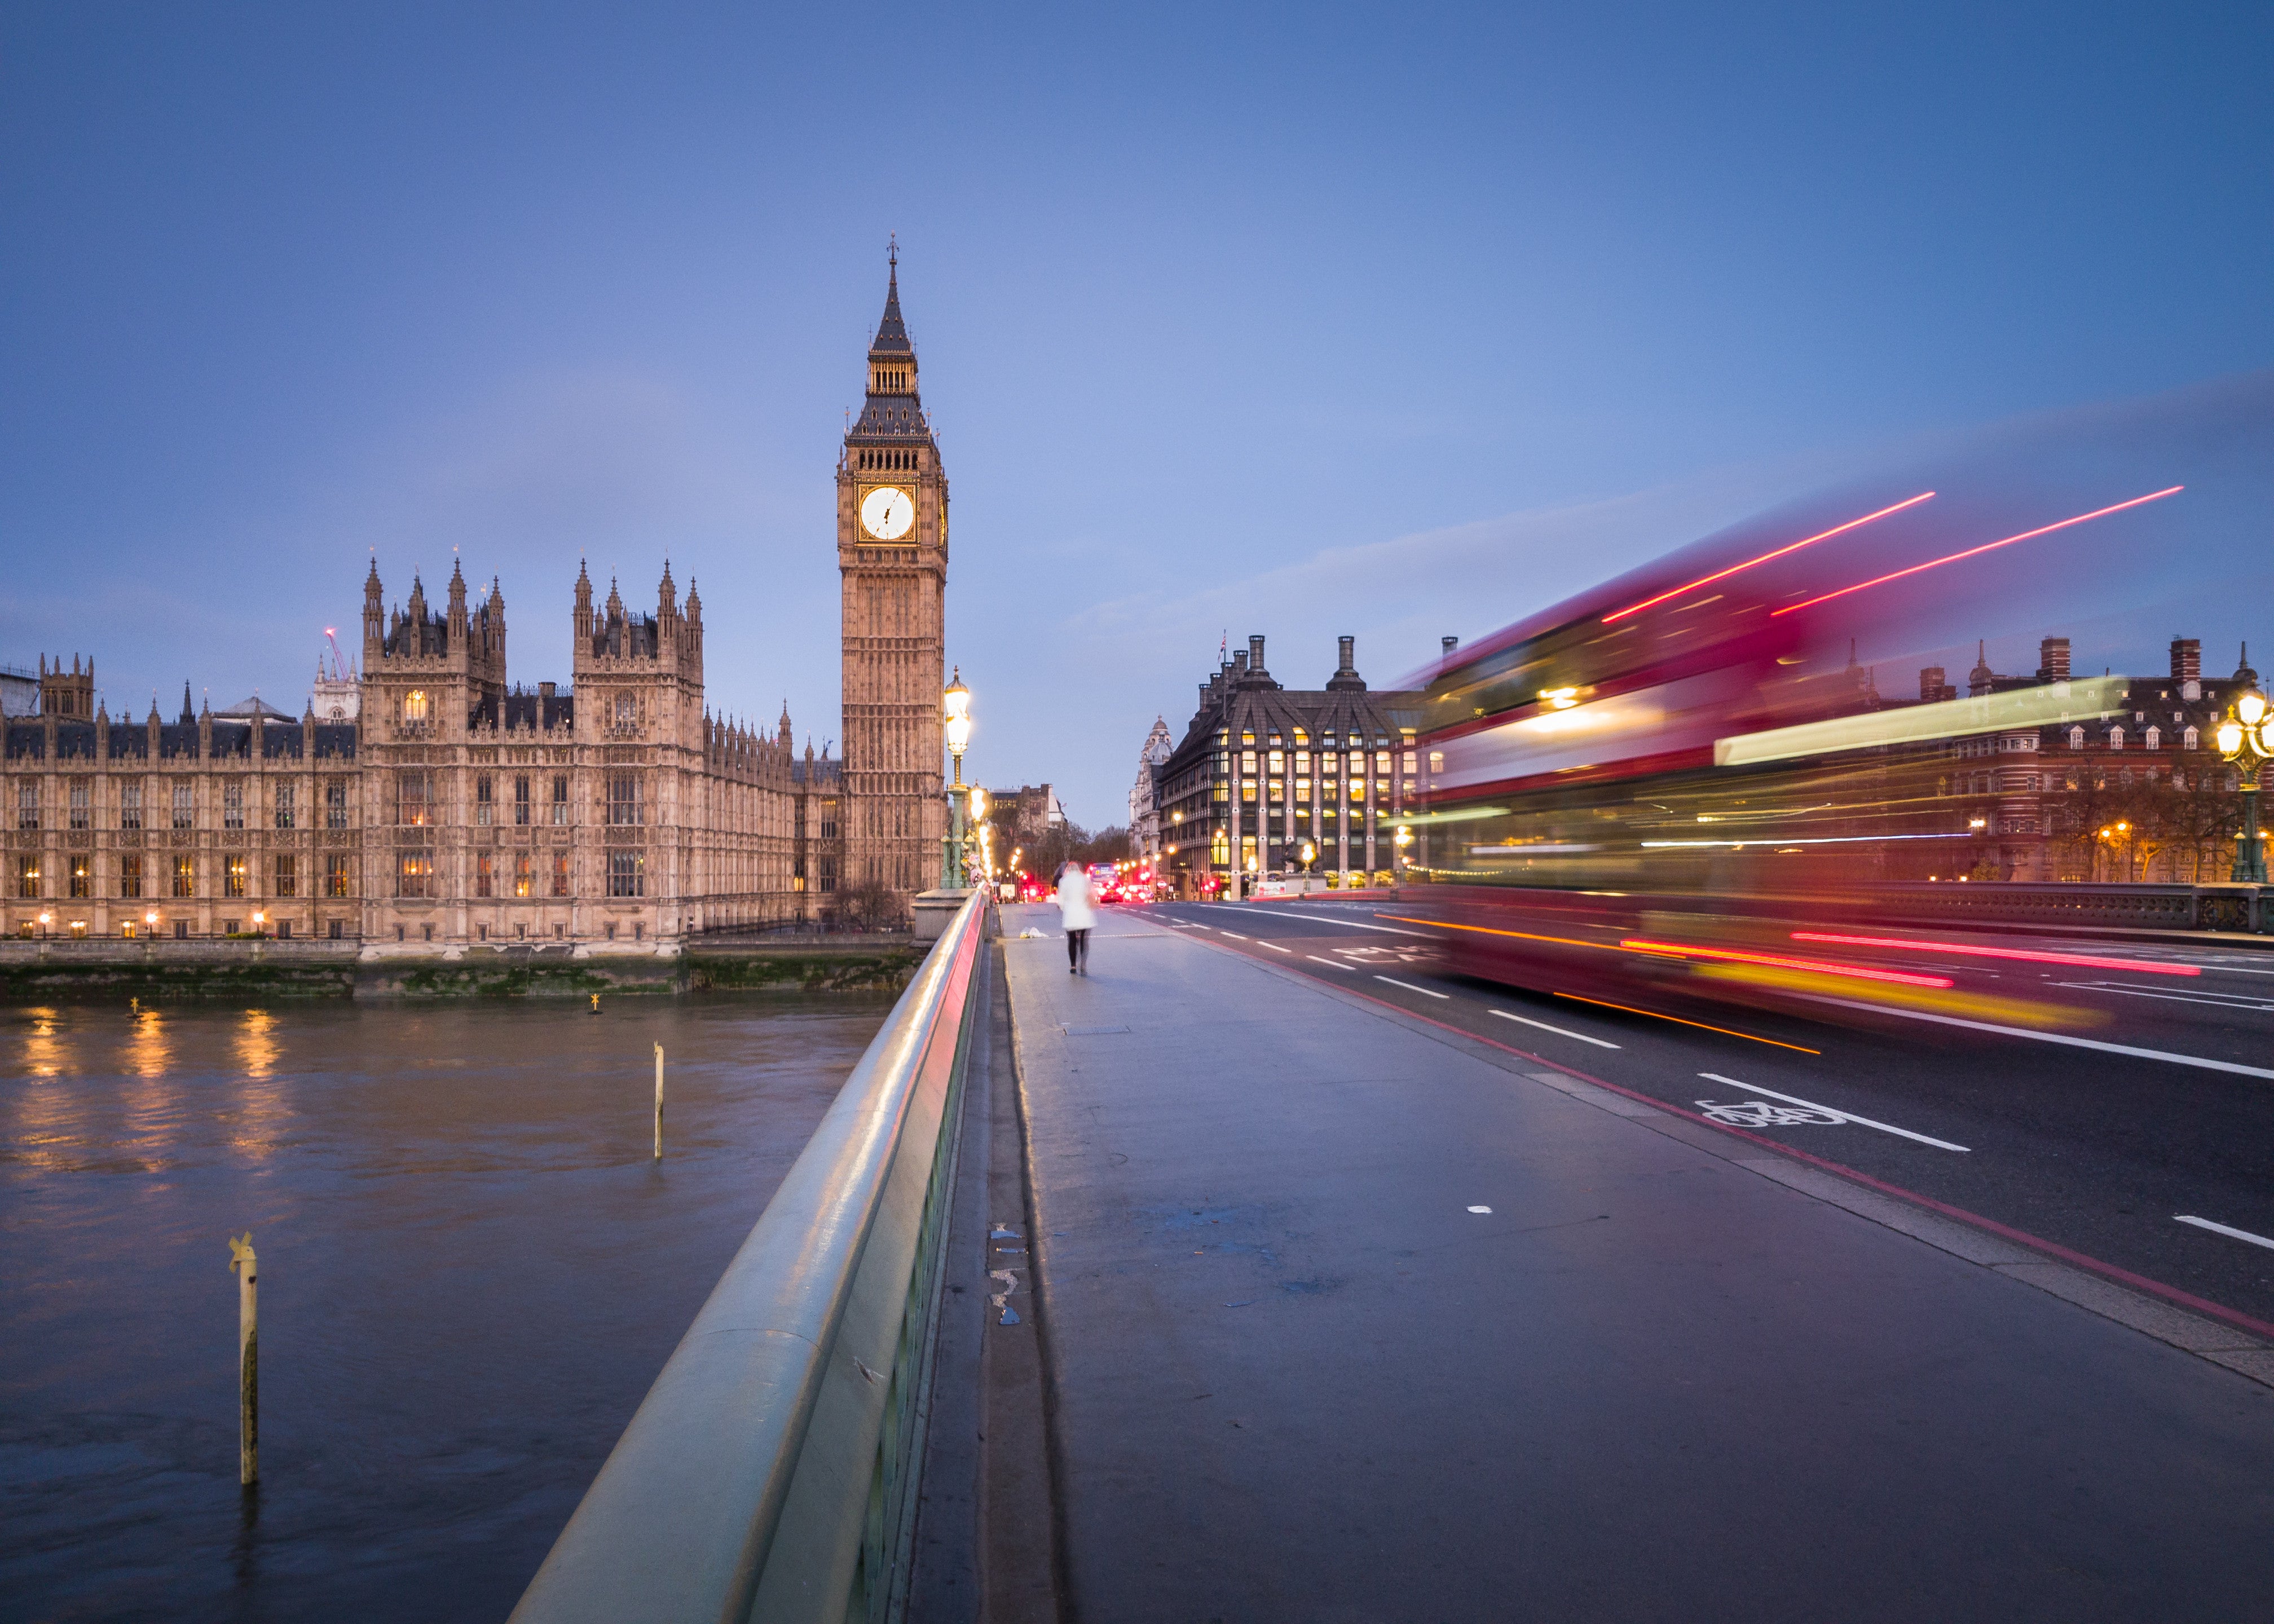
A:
(892, 554)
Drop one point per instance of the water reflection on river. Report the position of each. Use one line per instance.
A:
(470, 1271)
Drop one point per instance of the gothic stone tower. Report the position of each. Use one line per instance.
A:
(892, 553)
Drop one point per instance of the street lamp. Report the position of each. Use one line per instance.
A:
(2247, 740)
(955, 711)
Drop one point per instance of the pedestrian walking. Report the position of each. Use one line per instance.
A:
(1077, 913)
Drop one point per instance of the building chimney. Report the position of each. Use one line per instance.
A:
(1345, 650)
(1240, 661)
(2052, 659)
(2186, 659)
(1255, 652)
(1450, 643)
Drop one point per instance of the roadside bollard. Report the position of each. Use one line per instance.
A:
(596, 1003)
(248, 1360)
(658, 1103)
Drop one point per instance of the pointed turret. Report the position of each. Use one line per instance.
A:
(457, 601)
(1979, 678)
(783, 734)
(2243, 673)
(891, 332)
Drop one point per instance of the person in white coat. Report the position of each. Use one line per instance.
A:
(1077, 912)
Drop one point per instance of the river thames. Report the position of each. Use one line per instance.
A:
(470, 1270)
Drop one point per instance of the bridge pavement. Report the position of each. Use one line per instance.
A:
(1348, 1317)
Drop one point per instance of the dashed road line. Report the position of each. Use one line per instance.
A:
(1330, 963)
(1559, 1030)
(1410, 987)
(2220, 1228)
(1275, 947)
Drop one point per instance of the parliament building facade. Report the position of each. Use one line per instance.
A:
(447, 808)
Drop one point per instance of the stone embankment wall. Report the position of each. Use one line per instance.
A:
(179, 972)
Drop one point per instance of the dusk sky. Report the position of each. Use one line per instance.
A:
(1393, 322)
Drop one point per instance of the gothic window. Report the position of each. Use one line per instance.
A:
(521, 801)
(27, 875)
(232, 874)
(284, 794)
(82, 874)
(485, 869)
(485, 792)
(288, 874)
(78, 806)
(559, 873)
(336, 804)
(335, 876)
(623, 798)
(27, 804)
(627, 872)
(627, 710)
(560, 800)
(185, 876)
(232, 803)
(414, 705)
(184, 807)
(130, 804)
(524, 874)
(130, 875)
(414, 875)
(414, 803)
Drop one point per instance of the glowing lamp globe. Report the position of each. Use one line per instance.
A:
(2251, 707)
(2230, 738)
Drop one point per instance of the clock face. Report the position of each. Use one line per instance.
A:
(887, 513)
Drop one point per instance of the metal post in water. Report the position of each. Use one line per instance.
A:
(248, 1360)
(658, 1103)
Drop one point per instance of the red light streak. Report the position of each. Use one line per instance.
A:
(2082, 961)
(1680, 949)
(1620, 614)
(1987, 546)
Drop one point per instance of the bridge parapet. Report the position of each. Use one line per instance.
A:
(771, 1464)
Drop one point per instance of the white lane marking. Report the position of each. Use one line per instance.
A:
(2220, 1228)
(2224, 1001)
(2041, 1037)
(1558, 1031)
(1861, 1122)
(1481, 1209)
(1235, 936)
(1330, 963)
(1275, 947)
(1410, 987)
(1347, 924)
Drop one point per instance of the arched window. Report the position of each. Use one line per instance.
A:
(2153, 738)
(2076, 738)
(414, 705)
(2189, 740)
(2115, 738)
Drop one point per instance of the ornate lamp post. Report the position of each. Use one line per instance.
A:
(2247, 739)
(955, 708)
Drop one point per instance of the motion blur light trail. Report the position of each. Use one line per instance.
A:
(1723, 574)
(1987, 546)
(1726, 1031)
(1819, 967)
(2081, 960)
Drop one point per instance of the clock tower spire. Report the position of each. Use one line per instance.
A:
(892, 559)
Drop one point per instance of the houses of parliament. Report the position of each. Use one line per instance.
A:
(433, 803)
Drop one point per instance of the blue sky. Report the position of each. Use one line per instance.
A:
(1301, 322)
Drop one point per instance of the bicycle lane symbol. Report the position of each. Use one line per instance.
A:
(1760, 1114)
